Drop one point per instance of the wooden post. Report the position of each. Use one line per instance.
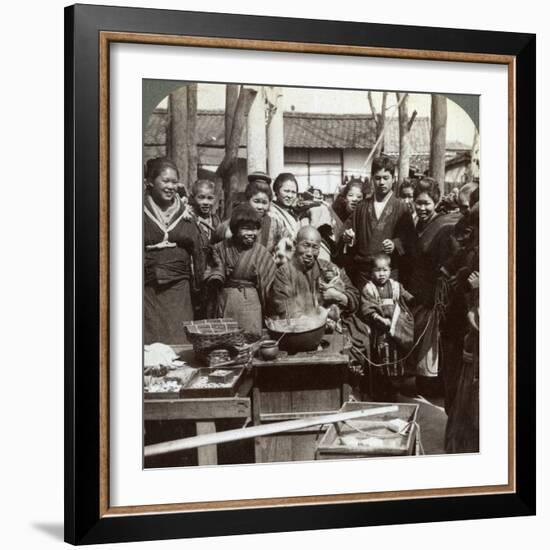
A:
(404, 141)
(474, 159)
(178, 132)
(192, 153)
(275, 134)
(208, 454)
(438, 139)
(256, 134)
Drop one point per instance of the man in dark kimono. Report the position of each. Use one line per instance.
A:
(381, 223)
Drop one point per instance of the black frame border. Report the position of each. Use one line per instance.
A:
(83, 524)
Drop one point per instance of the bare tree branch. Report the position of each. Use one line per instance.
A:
(411, 120)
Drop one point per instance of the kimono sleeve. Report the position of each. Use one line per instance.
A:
(215, 265)
(445, 247)
(279, 232)
(265, 272)
(352, 294)
(189, 238)
(370, 309)
(221, 232)
(281, 292)
(343, 253)
(405, 294)
(404, 231)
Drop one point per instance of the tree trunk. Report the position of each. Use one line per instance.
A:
(178, 133)
(438, 139)
(192, 153)
(227, 169)
(404, 137)
(231, 98)
(380, 121)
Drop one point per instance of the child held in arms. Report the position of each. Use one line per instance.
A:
(384, 307)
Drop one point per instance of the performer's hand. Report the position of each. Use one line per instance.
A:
(331, 294)
(471, 316)
(387, 246)
(348, 236)
(188, 213)
(473, 280)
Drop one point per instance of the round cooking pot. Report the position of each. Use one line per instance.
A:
(293, 340)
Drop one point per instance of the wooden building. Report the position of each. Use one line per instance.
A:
(320, 149)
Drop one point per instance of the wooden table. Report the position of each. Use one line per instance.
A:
(203, 412)
(290, 387)
(294, 386)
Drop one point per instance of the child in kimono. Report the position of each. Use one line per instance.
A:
(384, 308)
(239, 272)
(201, 214)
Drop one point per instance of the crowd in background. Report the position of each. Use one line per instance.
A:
(396, 266)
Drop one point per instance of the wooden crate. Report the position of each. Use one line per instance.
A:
(330, 447)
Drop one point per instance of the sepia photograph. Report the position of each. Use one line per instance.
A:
(310, 274)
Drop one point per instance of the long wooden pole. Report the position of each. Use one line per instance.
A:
(258, 431)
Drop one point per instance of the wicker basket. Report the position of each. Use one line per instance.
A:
(208, 334)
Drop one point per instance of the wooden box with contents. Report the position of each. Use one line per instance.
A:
(391, 434)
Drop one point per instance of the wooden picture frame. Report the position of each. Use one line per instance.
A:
(89, 32)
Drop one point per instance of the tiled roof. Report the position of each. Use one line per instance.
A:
(301, 130)
(457, 146)
(319, 131)
(419, 136)
(460, 158)
(306, 130)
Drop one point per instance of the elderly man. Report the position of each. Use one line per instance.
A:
(296, 288)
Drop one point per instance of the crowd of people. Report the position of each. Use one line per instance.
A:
(396, 266)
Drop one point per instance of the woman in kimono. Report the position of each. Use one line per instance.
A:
(285, 188)
(348, 199)
(239, 272)
(169, 240)
(428, 281)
